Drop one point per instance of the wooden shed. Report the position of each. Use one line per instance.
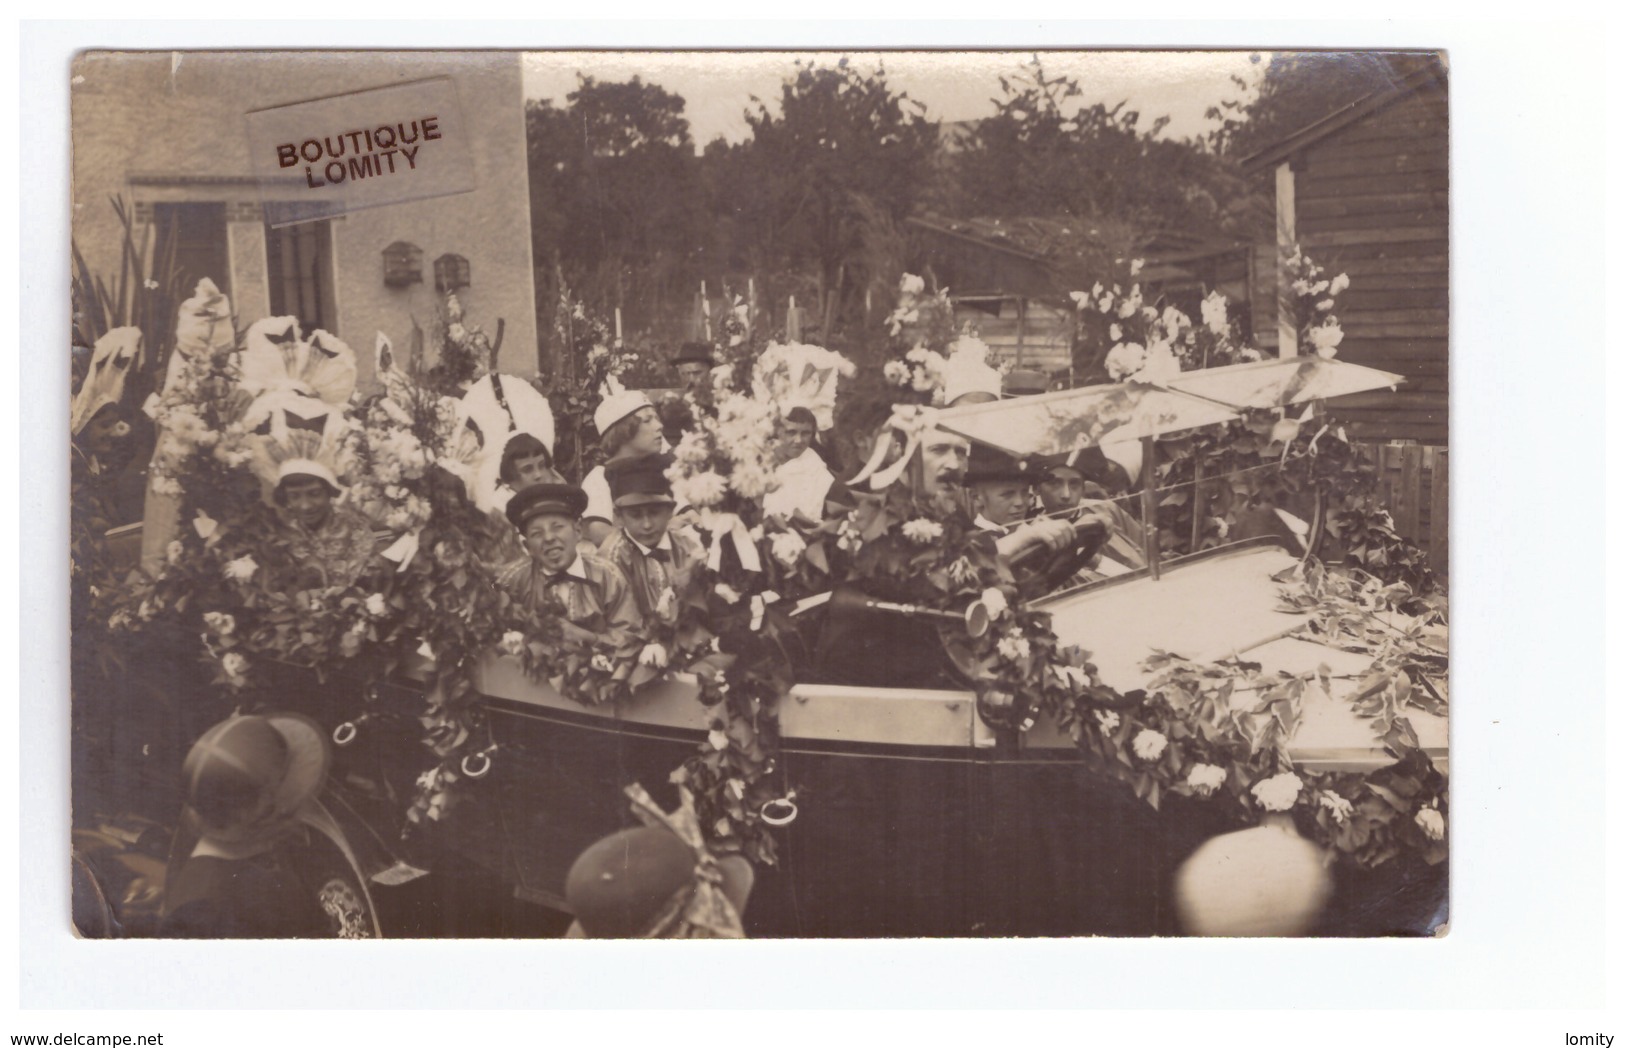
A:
(1366, 191)
(1017, 274)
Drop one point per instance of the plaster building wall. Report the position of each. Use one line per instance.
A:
(163, 128)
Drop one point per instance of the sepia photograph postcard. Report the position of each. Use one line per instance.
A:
(760, 494)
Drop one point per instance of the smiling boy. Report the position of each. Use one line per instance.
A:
(656, 561)
(593, 592)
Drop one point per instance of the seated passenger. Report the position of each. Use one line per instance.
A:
(628, 427)
(593, 593)
(525, 461)
(656, 560)
(330, 544)
(804, 479)
(1062, 487)
(999, 488)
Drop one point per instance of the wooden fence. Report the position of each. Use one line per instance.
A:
(1413, 481)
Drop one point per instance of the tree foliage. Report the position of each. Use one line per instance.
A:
(1045, 153)
(1301, 87)
(841, 137)
(614, 186)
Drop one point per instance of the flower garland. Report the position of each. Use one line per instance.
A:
(732, 633)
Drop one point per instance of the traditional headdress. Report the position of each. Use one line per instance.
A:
(110, 363)
(276, 358)
(967, 371)
(298, 439)
(799, 375)
(495, 409)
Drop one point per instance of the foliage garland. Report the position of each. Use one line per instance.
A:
(228, 575)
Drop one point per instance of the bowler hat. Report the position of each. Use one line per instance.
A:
(541, 499)
(694, 353)
(640, 480)
(1025, 383)
(990, 464)
(248, 774)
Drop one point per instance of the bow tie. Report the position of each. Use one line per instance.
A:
(661, 555)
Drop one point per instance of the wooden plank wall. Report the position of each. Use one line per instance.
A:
(1413, 482)
(1373, 201)
(1046, 337)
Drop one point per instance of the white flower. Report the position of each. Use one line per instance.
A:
(788, 547)
(242, 569)
(1160, 364)
(1337, 804)
(923, 531)
(1108, 720)
(235, 664)
(1105, 302)
(727, 593)
(150, 284)
(653, 655)
(377, 607)
(1432, 822)
(1326, 338)
(1325, 305)
(718, 739)
(1278, 792)
(1216, 313)
(1081, 298)
(456, 332)
(1148, 745)
(912, 285)
(896, 372)
(1339, 284)
(1116, 332)
(164, 484)
(1301, 287)
(602, 664)
(175, 551)
(220, 622)
(1205, 778)
(513, 642)
(1174, 321)
(1135, 266)
(691, 450)
(1125, 359)
(704, 489)
(1014, 647)
(994, 601)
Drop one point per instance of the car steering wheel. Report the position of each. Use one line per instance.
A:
(1051, 569)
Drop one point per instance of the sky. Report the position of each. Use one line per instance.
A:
(953, 85)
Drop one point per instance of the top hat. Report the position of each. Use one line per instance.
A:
(639, 481)
(990, 464)
(694, 353)
(245, 776)
(542, 499)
